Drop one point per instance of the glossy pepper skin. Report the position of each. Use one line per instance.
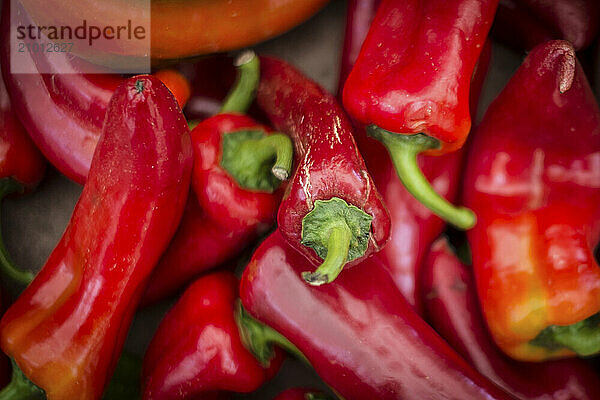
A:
(532, 179)
(410, 85)
(63, 113)
(453, 310)
(236, 180)
(330, 175)
(358, 332)
(197, 350)
(67, 329)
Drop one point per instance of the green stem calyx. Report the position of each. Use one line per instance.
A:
(260, 339)
(241, 95)
(257, 161)
(403, 151)
(21, 388)
(16, 278)
(338, 233)
(582, 337)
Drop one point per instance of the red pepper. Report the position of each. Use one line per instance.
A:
(527, 23)
(22, 167)
(359, 15)
(410, 85)
(66, 330)
(62, 112)
(358, 333)
(238, 168)
(197, 350)
(302, 394)
(532, 178)
(332, 210)
(453, 310)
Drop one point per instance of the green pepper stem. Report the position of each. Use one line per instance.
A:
(11, 275)
(403, 151)
(20, 388)
(275, 145)
(241, 95)
(582, 337)
(317, 396)
(338, 246)
(259, 338)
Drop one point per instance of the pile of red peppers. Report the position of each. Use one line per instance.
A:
(384, 237)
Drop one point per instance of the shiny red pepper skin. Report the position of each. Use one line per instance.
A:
(225, 218)
(532, 179)
(200, 333)
(358, 332)
(68, 327)
(453, 310)
(328, 162)
(527, 23)
(414, 69)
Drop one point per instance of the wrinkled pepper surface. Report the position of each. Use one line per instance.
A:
(410, 85)
(239, 166)
(532, 177)
(197, 351)
(66, 330)
(332, 212)
(358, 333)
(453, 310)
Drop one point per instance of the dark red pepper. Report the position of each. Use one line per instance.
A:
(197, 351)
(410, 85)
(532, 177)
(238, 168)
(358, 332)
(67, 329)
(332, 212)
(453, 310)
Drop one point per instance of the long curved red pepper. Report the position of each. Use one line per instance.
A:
(332, 212)
(62, 112)
(532, 178)
(527, 23)
(197, 350)
(66, 330)
(453, 310)
(410, 85)
(358, 332)
(238, 168)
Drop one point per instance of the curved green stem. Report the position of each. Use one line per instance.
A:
(11, 275)
(259, 338)
(21, 388)
(582, 337)
(337, 254)
(339, 233)
(403, 151)
(243, 91)
(317, 396)
(255, 160)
